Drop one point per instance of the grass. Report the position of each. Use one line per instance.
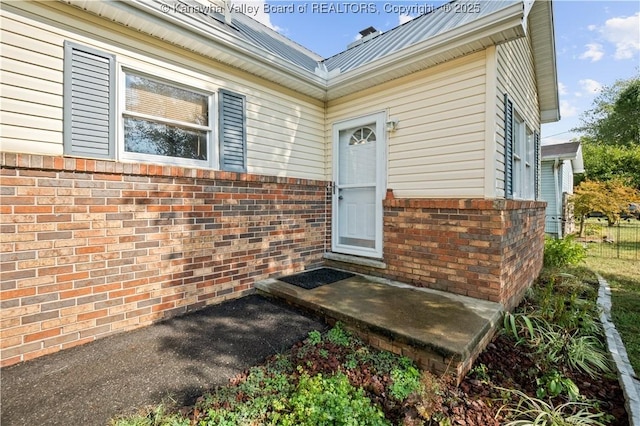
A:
(623, 277)
(614, 252)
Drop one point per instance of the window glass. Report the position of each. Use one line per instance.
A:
(148, 137)
(165, 120)
(151, 97)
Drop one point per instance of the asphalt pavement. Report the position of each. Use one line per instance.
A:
(174, 361)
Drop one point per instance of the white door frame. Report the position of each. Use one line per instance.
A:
(379, 119)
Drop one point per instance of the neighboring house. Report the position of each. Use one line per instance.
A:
(559, 164)
(159, 156)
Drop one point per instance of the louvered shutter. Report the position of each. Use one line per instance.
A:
(536, 156)
(89, 102)
(508, 147)
(232, 131)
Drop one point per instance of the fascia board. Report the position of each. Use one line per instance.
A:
(549, 116)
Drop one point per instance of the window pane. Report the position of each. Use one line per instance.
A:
(162, 100)
(146, 137)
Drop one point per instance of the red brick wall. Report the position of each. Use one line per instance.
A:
(90, 248)
(487, 249)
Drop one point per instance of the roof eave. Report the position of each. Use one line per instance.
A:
(220, 47)
(544, 53)
(504, 25)
(493, 29)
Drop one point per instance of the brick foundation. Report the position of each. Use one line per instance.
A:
(90, 248)
(487, 249)
(425, 358)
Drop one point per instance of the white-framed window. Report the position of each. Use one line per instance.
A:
(156, 120)
(529, 165)
(162, 121)
(518, 156)
(521, 155)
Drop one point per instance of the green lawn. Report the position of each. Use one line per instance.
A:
(624, 278)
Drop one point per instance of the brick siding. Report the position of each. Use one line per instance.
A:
(90, 248)
(487, 249)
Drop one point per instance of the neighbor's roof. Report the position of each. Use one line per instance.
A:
(435, 37)
(571, 151)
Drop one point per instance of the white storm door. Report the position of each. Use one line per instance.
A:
(359, 176)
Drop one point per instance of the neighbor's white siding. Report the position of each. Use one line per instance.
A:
(567, 177)
(516, 78)
(438, 149)
(548, 193)
(284, 129)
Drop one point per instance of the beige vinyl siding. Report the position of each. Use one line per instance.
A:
(31, 97)
(284, 128)
(438, 149)
(516, 77)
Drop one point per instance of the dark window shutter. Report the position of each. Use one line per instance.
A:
(508, 147)
(536, 161)
(89, 102)
(232, 132)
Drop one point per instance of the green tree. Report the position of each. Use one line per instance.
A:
(609, 198)
(604, 162)
(614, 118)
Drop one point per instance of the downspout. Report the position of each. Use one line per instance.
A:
(556, 166)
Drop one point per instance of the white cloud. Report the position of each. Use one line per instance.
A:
(594, 52)
(590, 86)
(567, 110)
(623, 33)
(562, 89)
(404, 18)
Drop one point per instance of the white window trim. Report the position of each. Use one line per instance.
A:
(518, 160)
(212, 161)
(523, 172)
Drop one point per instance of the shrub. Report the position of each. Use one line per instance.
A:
(563, 252)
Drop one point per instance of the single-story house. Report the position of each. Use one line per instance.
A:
(560, 162)
(162, 155)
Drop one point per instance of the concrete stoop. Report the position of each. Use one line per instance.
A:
(441, 332)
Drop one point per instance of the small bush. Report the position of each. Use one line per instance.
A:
(560, 252)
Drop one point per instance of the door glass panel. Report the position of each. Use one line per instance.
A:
(357, 156)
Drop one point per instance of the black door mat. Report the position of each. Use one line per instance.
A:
(316, 278)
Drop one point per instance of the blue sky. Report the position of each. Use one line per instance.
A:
(597, 42)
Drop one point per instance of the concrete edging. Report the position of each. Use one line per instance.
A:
(626, 376)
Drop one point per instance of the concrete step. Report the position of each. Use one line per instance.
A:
(442, 332)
